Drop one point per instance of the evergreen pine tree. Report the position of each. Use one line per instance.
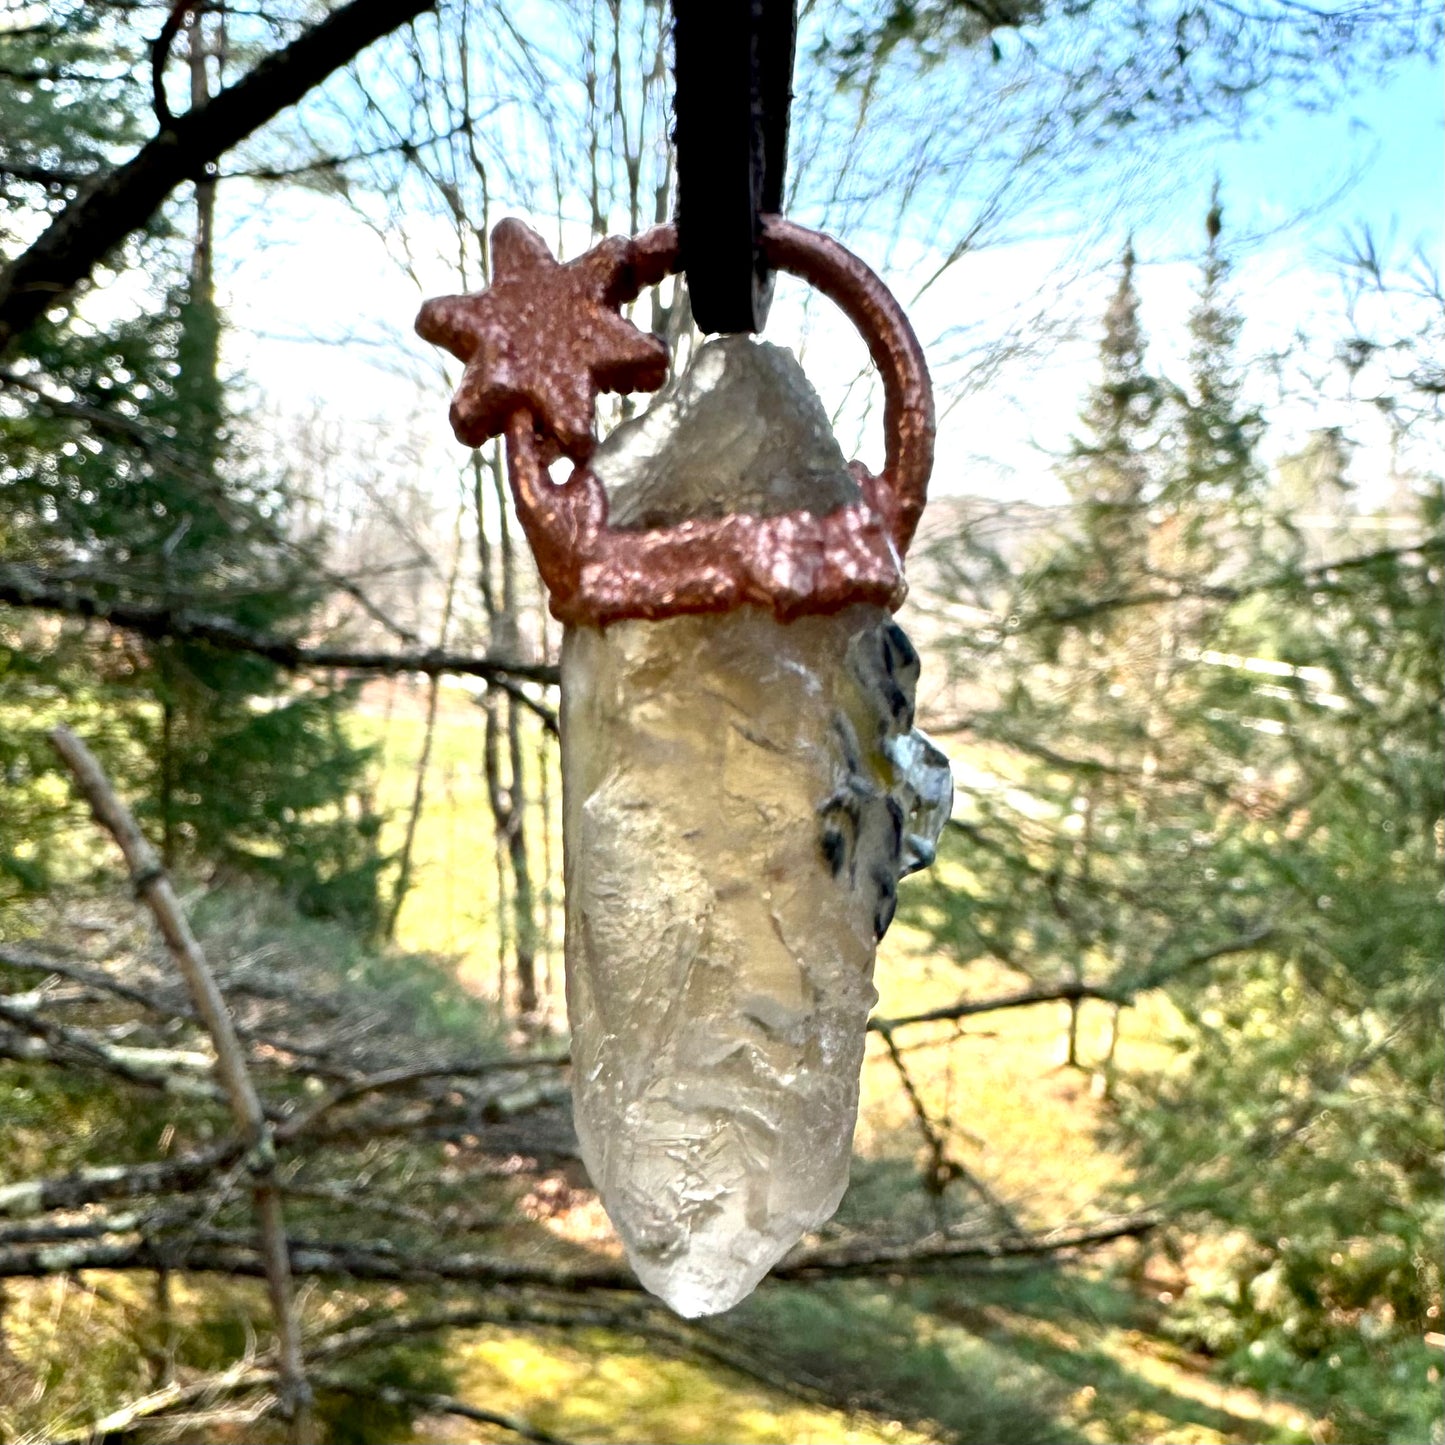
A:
(133, 484)
(1302, 1120)
(1221, 431)
(1109, 470)
(1213, 488)
(1236, 800)
(1098, 860)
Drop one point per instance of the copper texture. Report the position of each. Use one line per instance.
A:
(545, 337)
(795, 564)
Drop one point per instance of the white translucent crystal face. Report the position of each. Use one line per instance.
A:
(740, 798)
(742, 430)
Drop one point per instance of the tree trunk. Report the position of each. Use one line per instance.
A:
(203, 251)
(523, 902)
(506, 782)
(423, 762)
(511, 821)
(546, 811)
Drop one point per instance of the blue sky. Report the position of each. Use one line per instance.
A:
(1384, 144)
(1292, 185)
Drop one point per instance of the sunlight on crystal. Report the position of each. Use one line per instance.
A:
(741, 798)
(924, 787)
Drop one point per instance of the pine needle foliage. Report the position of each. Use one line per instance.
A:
(124, 475)
(1214, 768)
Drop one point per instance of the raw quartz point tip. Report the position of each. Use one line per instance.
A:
(741, 796)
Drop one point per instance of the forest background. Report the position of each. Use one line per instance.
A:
(1151, 1144)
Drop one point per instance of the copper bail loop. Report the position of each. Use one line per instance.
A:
(794, 564)
(908, 421)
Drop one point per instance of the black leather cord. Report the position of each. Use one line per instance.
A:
(734, 76)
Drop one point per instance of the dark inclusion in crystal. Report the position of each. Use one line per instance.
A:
(884, 819)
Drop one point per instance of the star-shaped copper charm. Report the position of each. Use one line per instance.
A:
(544, 337)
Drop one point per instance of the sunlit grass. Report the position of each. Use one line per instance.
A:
(1013, 1112)
(450, 905)
(604, 1388)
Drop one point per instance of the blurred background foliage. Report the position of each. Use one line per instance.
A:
(1178, 964)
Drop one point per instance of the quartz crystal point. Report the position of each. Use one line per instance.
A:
(741, 797)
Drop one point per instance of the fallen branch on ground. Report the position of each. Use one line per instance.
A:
(154, 889)
(29, 1197)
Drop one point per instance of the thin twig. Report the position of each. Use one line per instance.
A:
(159, 1405)
(160, 54)
(943, 1169)
(123, 199)
(154, 889)
(1117, 991)
(402, 1078)
(214, 1252)
(1321, 578)
(133, 1416)
(870, 1258)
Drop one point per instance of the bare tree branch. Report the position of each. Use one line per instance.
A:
(247, 1376)
(201, 1253)
(1120, 991)
(123, 200)
(166, 1008)
(434, 1404)
(154, 888)
(374, 1261)
(160, 54)
(1067, 992)
(1322, 578)
(404, 1077)
(942, 1169)
(871, 1258)
(172, 1070)
(20, 587)
(137, 1413)
(236, 513)
(634, 1316)
(407, 147)
(29, 1197)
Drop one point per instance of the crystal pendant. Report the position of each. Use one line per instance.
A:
(741, 798)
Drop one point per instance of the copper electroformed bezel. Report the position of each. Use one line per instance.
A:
(546, 337)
